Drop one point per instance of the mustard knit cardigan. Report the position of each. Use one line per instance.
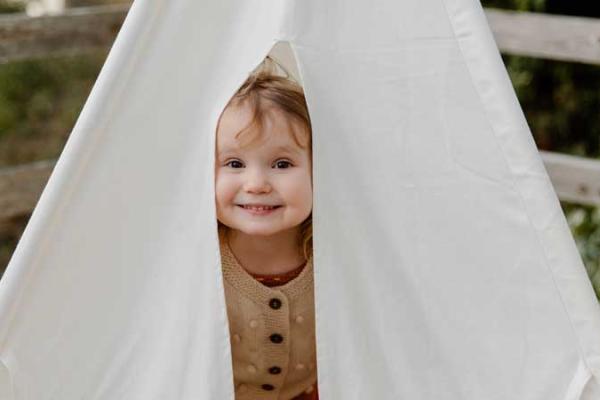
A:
(272, 332)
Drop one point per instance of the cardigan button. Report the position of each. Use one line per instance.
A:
(274, 370)
(275, 304)
(276, 338)
(300, 366)
(266, 386)
(253, 323)
(251, 368)
(299, 319)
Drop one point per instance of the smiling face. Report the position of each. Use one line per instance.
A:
(272, 170)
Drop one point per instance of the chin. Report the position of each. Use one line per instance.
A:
(259, 231)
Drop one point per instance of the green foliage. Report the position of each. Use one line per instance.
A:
(39, 103)
(26, 97)
(585, 225)
(561, 102)
(520, 5)
(11, 7)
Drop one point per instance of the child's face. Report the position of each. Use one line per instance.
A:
(272, 170)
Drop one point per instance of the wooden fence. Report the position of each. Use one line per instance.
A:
(576, 39)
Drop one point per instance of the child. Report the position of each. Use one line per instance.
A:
(263, 190)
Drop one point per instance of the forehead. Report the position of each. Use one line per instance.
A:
(278, 131)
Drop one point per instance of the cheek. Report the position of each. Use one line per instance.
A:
(224, 189)
(301, 188)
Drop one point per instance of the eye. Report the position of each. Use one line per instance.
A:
(234, 163)
(285, 163)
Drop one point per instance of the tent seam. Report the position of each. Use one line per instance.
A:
(8, 361)
(580, 379)
(515, 187)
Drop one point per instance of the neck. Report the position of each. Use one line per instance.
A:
(267, 255)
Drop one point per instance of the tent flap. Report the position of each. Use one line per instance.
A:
(444, 267)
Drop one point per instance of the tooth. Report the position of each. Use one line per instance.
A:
(260, 208)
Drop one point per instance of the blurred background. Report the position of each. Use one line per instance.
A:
(51, 52)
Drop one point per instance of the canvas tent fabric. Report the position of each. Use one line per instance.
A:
(444, 268)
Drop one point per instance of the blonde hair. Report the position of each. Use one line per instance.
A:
(265, 89)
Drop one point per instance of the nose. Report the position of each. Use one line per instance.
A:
(257, 181)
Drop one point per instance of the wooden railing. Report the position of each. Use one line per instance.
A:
(75, 31)
(576, 39)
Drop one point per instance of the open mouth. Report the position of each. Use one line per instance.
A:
(258, 207)
(260, 210)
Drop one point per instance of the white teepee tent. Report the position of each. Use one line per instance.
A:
(444, 268)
